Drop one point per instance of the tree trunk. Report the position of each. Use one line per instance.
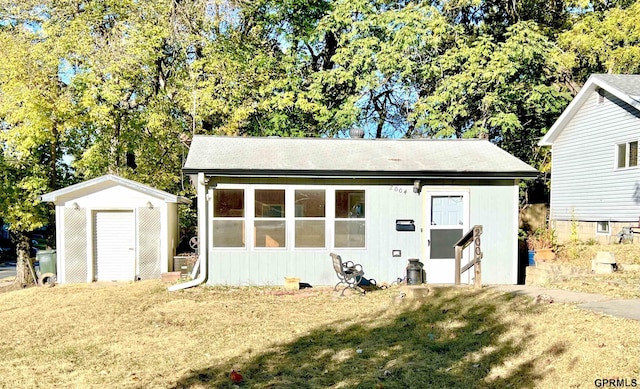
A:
(24, 264)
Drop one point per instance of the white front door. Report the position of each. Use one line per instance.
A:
(447, 216)
(114, 241)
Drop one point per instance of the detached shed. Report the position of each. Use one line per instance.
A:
(114, 229)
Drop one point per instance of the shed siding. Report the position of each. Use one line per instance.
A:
(585, 185)
(75, 245)
(149, 243)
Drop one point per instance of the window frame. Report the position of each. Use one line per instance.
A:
(290, 218)
(212, 218)
(253, 218)
(599, 231)
(295, 218)
(627, 155)
(364, 219)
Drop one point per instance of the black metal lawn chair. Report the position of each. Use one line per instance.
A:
(350, 274)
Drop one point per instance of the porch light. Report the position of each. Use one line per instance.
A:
(416, 186)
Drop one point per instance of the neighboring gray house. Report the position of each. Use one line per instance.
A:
(270, 208)
(595, 177)
(114, 229)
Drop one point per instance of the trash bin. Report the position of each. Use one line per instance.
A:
(414, 272)
(47, 261)
(184, 264)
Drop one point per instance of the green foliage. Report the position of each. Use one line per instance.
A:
(607, 41)
(574, 228)
(121, 86)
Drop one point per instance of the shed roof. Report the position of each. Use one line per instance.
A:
(352, 158)
(626, 87)
(111, 180)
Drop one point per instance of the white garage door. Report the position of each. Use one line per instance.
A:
(114, 258)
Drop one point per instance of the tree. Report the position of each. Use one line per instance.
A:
(607, 41)
(35, 111)
(508, 92)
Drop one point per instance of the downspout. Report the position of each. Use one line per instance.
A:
(202, 237)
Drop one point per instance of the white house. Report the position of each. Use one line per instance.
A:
(270, 208)
(114, 229)
(595, 177)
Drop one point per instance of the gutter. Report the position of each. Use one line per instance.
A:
(253, 173)
(202, 238)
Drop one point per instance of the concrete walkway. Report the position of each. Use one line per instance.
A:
(628, 309)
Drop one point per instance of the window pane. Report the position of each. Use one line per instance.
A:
(350, 233)
(310, 233)
(349, 203)
(446, 210)
(228, 233)
(622, 155)
(269, 233)
(310, 203)
(602, 228)
(269, 203)
(633, 154)
(228, 203)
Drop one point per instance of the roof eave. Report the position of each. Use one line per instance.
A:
(422, 175)
(54, 196)
(592, 82)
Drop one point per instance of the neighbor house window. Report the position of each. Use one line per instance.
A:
(627, 154)
(602, 228)
(269, 224)
(310, 218)
(350, 218)
(228, 218)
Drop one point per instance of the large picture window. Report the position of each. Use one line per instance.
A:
(269, 225)
(627, 155)
(310, 218)
(272, 218)
(350, 218)
(228, 218)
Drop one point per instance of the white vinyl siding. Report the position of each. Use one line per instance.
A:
(114, 246)
(585, 183)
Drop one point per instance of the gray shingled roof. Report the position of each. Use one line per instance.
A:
(629, 84)
(331, 157)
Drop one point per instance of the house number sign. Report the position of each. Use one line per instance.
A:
(398, 189)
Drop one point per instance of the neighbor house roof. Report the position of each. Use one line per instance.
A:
(111, 180)
(352, 158)
(626, 87)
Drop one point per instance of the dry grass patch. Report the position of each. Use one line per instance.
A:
(580, 254)
(141, 336)
(618, 285)
(621, 284)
